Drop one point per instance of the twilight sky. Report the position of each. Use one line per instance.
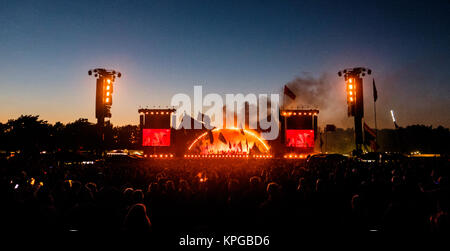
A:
(166, 47)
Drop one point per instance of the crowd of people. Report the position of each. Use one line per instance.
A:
(255, 196)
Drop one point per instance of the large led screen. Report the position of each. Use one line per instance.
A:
(156, 137)
(300, 138)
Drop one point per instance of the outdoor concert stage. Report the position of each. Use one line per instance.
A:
(160, 140)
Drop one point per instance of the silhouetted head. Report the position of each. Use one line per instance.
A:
(356, 201)
(255, 182)
(76, 186)
(273, 190)
(136, 219)
(169, 186)
(92, 187)
(319, 185)
(301, 184)
(127, 195)
(153, 187)
(183, 186)
(67, 185)
(138, 196)
(86, 195)
(233, 186)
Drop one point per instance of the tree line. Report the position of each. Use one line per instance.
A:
(424, 139)
(30, 135)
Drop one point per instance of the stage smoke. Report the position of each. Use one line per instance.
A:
(325, 92)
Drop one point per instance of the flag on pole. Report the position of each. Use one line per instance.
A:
(321, 141)
(375, 93)
(210, 136)
(369, 131)
(222, 138)
(288, 92)
(370, 137)
(396, 126)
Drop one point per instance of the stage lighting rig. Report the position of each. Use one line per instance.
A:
(355, 99)
(103, 98)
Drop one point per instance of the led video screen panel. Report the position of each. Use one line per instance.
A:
(157, 121)
(300, 122)
(156, 137)
(300, 138)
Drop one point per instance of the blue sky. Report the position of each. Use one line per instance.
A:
(166, 47)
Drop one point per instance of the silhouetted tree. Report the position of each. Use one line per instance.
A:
(80, 135)
(126, 137)
(27, 134)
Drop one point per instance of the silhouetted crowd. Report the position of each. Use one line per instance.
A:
(255, 196)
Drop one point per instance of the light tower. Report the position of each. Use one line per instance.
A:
(103, 96)
(355, 99)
